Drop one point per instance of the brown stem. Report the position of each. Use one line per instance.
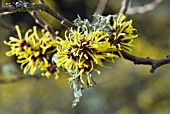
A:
(38, 7)
(124, 6)
(43, 24)
(0, 3)
(147, 61)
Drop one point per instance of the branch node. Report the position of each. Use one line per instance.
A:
(62, 22)
(136, 61)
(153, 68)
(148, 57)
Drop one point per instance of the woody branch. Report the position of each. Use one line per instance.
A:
(25, 7)
(139, 60)
(123, 10)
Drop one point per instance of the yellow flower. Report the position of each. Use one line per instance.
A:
(16, 44)
(81, 51)
(122, 33)
(33, 51)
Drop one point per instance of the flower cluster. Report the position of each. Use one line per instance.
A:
(79, 53)
(34, 51)
(90, 45)
(122, 33)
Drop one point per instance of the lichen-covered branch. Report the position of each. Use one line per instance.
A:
(82, 48)
(24, 7)
(100, 8)
(147, 61)
(44, 7)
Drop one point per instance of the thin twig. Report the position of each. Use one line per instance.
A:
(38, 7)
(100, 8)
(147, 61)
(139, 60)
(0, 3)
(124, 7)
(42, 1)
(7, 26)
(143, 9)
(41, 7)
(42, 23)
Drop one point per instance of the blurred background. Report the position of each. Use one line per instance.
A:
(124, 89)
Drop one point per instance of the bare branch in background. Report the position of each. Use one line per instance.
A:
(123, 10)
(124, 6)
(143, 9)
(139, 60)
(7, 26)
(42, 23)
(38, 7)
(100, 8)
(0, 3)
(147, 61)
